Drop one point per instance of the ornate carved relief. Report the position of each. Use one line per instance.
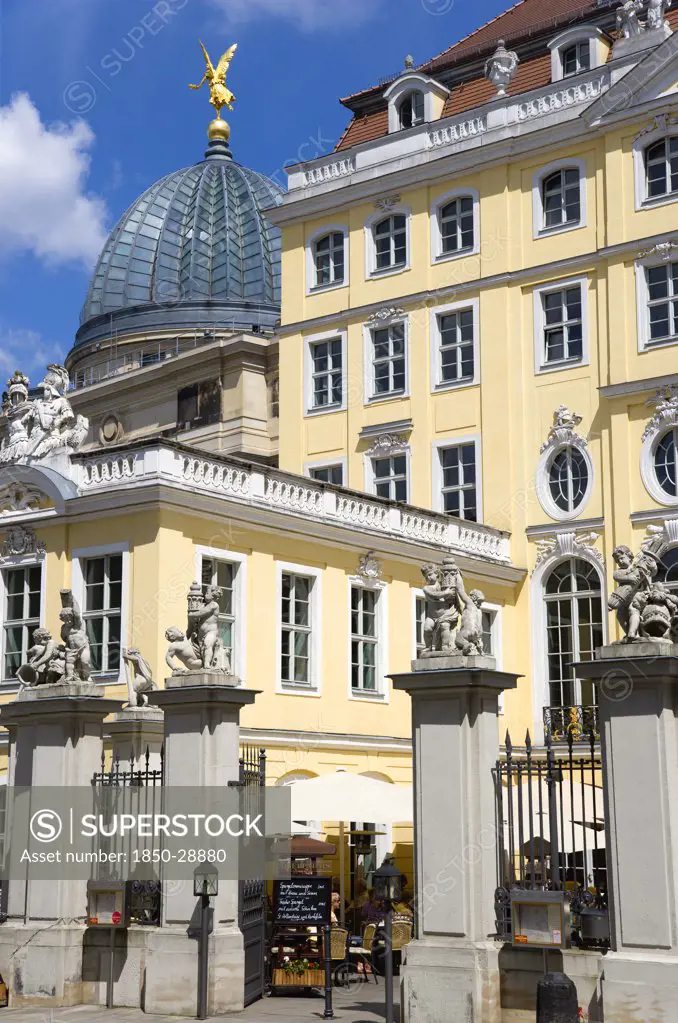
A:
(388, 203)
(18, 498)
(21, 542)
(662, 537)
(382, 317)
(388, 444)
(662, 122)
(664, 251)
(569, 545)
(370, 568)
(666, 412)
(563, 432)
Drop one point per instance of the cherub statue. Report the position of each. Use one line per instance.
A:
(656, 10)
(634, 575)
(220, 96)
(78, 667)
(203, 627)
(139, 678)
(183, 650)
(46, 663)
(628, 21)
(469, 639)
(657, 610)
(445, 596)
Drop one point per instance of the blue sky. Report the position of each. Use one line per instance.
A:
(94, 107)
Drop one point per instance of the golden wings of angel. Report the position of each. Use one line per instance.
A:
(220, 96)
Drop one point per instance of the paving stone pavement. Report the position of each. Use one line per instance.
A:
(362, 1005)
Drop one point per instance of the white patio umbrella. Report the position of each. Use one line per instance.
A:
(578, 806)
(343, 796)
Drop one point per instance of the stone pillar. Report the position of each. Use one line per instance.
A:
(202, 749)
(451, 969)
(55, 740)
(638, 707)
(135, 730)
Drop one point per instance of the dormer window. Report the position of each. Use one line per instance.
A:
(411, 109)
(577, 50)
(576, 58)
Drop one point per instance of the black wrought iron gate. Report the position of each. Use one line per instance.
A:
(252, 900)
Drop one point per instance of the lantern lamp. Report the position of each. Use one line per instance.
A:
(205, 880)
(387, 882)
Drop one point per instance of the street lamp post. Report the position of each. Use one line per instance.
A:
(205, 885)
(387, 882)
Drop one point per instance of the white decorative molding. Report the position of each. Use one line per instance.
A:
(370, 569)
(569, 544)
(291, 495)
(665, 416)
(383, 317)
(387, 444)
(21, 542)
(559, 99)
(662, 537)
(388, 203)
(16, 497)
(501, 68)
(662, 252)
(661, 123)
(459, 132)
(215, 476)
(563, 430)
(329, 171)
(365, 513)
(114, 469)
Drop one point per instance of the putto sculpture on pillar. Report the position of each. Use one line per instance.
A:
(628, 21)
(646, 610)
(38, 427)
(201, 646)
(46, 663)
(453, 623)
(139, 678)
(75, 639)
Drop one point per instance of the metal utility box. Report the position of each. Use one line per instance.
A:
(107, 904)
(540, 919)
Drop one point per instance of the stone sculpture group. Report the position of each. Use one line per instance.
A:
(38, 427)
(52, 663)
(628, 17)
(646, 610)
(453, 622)
(200, 648)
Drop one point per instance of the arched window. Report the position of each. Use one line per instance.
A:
(568, 478)
(665, 462)
(668, 573)
(561, 198)
(574, 630)
(456, 225)
(661, 168)
(411, 109)
(390, 242)
(328, 259)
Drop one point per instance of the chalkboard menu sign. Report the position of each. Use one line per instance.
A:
(303, 900)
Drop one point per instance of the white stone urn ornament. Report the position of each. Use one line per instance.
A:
(501, 68)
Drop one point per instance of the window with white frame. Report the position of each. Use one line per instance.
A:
(661, 285)
(574, 629)
(665, 462)
(560, 325)
(457, 225)
(222, 576)
(389, 475)
(576, 58)
(328, 474)
(661, 168)
(329, 259)
(456, 346)
(568, 478)
(489, 619)
(102, 610)
(419, 620)
(326, 373)
(296, 625)
(389, 236)
(561, 198)
(458, 478)
(668, 573)
(411, 109)
(22, 587)
(364, 639)
(389, 360)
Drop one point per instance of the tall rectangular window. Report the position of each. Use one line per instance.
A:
(390, 477)
(222, 574)
(562, 325)
(296, 629)
(459, 484)
(456, 225)
(327, 367)
(455, 331)
(21, 615)
(388, 360)
(364, 639)
(328, 257)
(390, 242)
(103, 610)
(662, 291)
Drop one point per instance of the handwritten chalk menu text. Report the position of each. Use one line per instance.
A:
(303, 900)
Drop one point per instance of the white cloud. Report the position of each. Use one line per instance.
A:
(28, 351)
(306, 14)
(43, 206)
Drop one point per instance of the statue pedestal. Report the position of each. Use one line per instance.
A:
(202, 748)
(55, 736)
(452, 969)
(638, 709)
(134, 731)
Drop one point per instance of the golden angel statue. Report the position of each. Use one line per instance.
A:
(220, 96)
